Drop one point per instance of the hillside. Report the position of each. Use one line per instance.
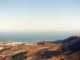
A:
(67, 49)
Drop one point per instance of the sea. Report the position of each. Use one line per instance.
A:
(33, 37)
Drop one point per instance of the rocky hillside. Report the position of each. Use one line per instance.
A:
(67, 49)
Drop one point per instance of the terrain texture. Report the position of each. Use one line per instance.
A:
(67, 49)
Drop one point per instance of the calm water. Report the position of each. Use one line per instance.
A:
(33, 37)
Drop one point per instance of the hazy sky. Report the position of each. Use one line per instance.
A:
(39, 15)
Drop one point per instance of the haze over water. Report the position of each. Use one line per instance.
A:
(33, 37)
(37, 20)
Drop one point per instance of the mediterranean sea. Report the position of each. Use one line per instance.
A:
(33, 37)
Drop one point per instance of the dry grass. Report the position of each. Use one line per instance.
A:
(30, 48)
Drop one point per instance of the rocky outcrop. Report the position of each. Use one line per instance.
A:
(19, 56)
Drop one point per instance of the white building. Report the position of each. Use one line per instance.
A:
(11, 43)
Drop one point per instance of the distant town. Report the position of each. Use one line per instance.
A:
(9, 44)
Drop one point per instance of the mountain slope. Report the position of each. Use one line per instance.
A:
(67, 49)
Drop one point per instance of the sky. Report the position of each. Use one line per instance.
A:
(39, 15)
